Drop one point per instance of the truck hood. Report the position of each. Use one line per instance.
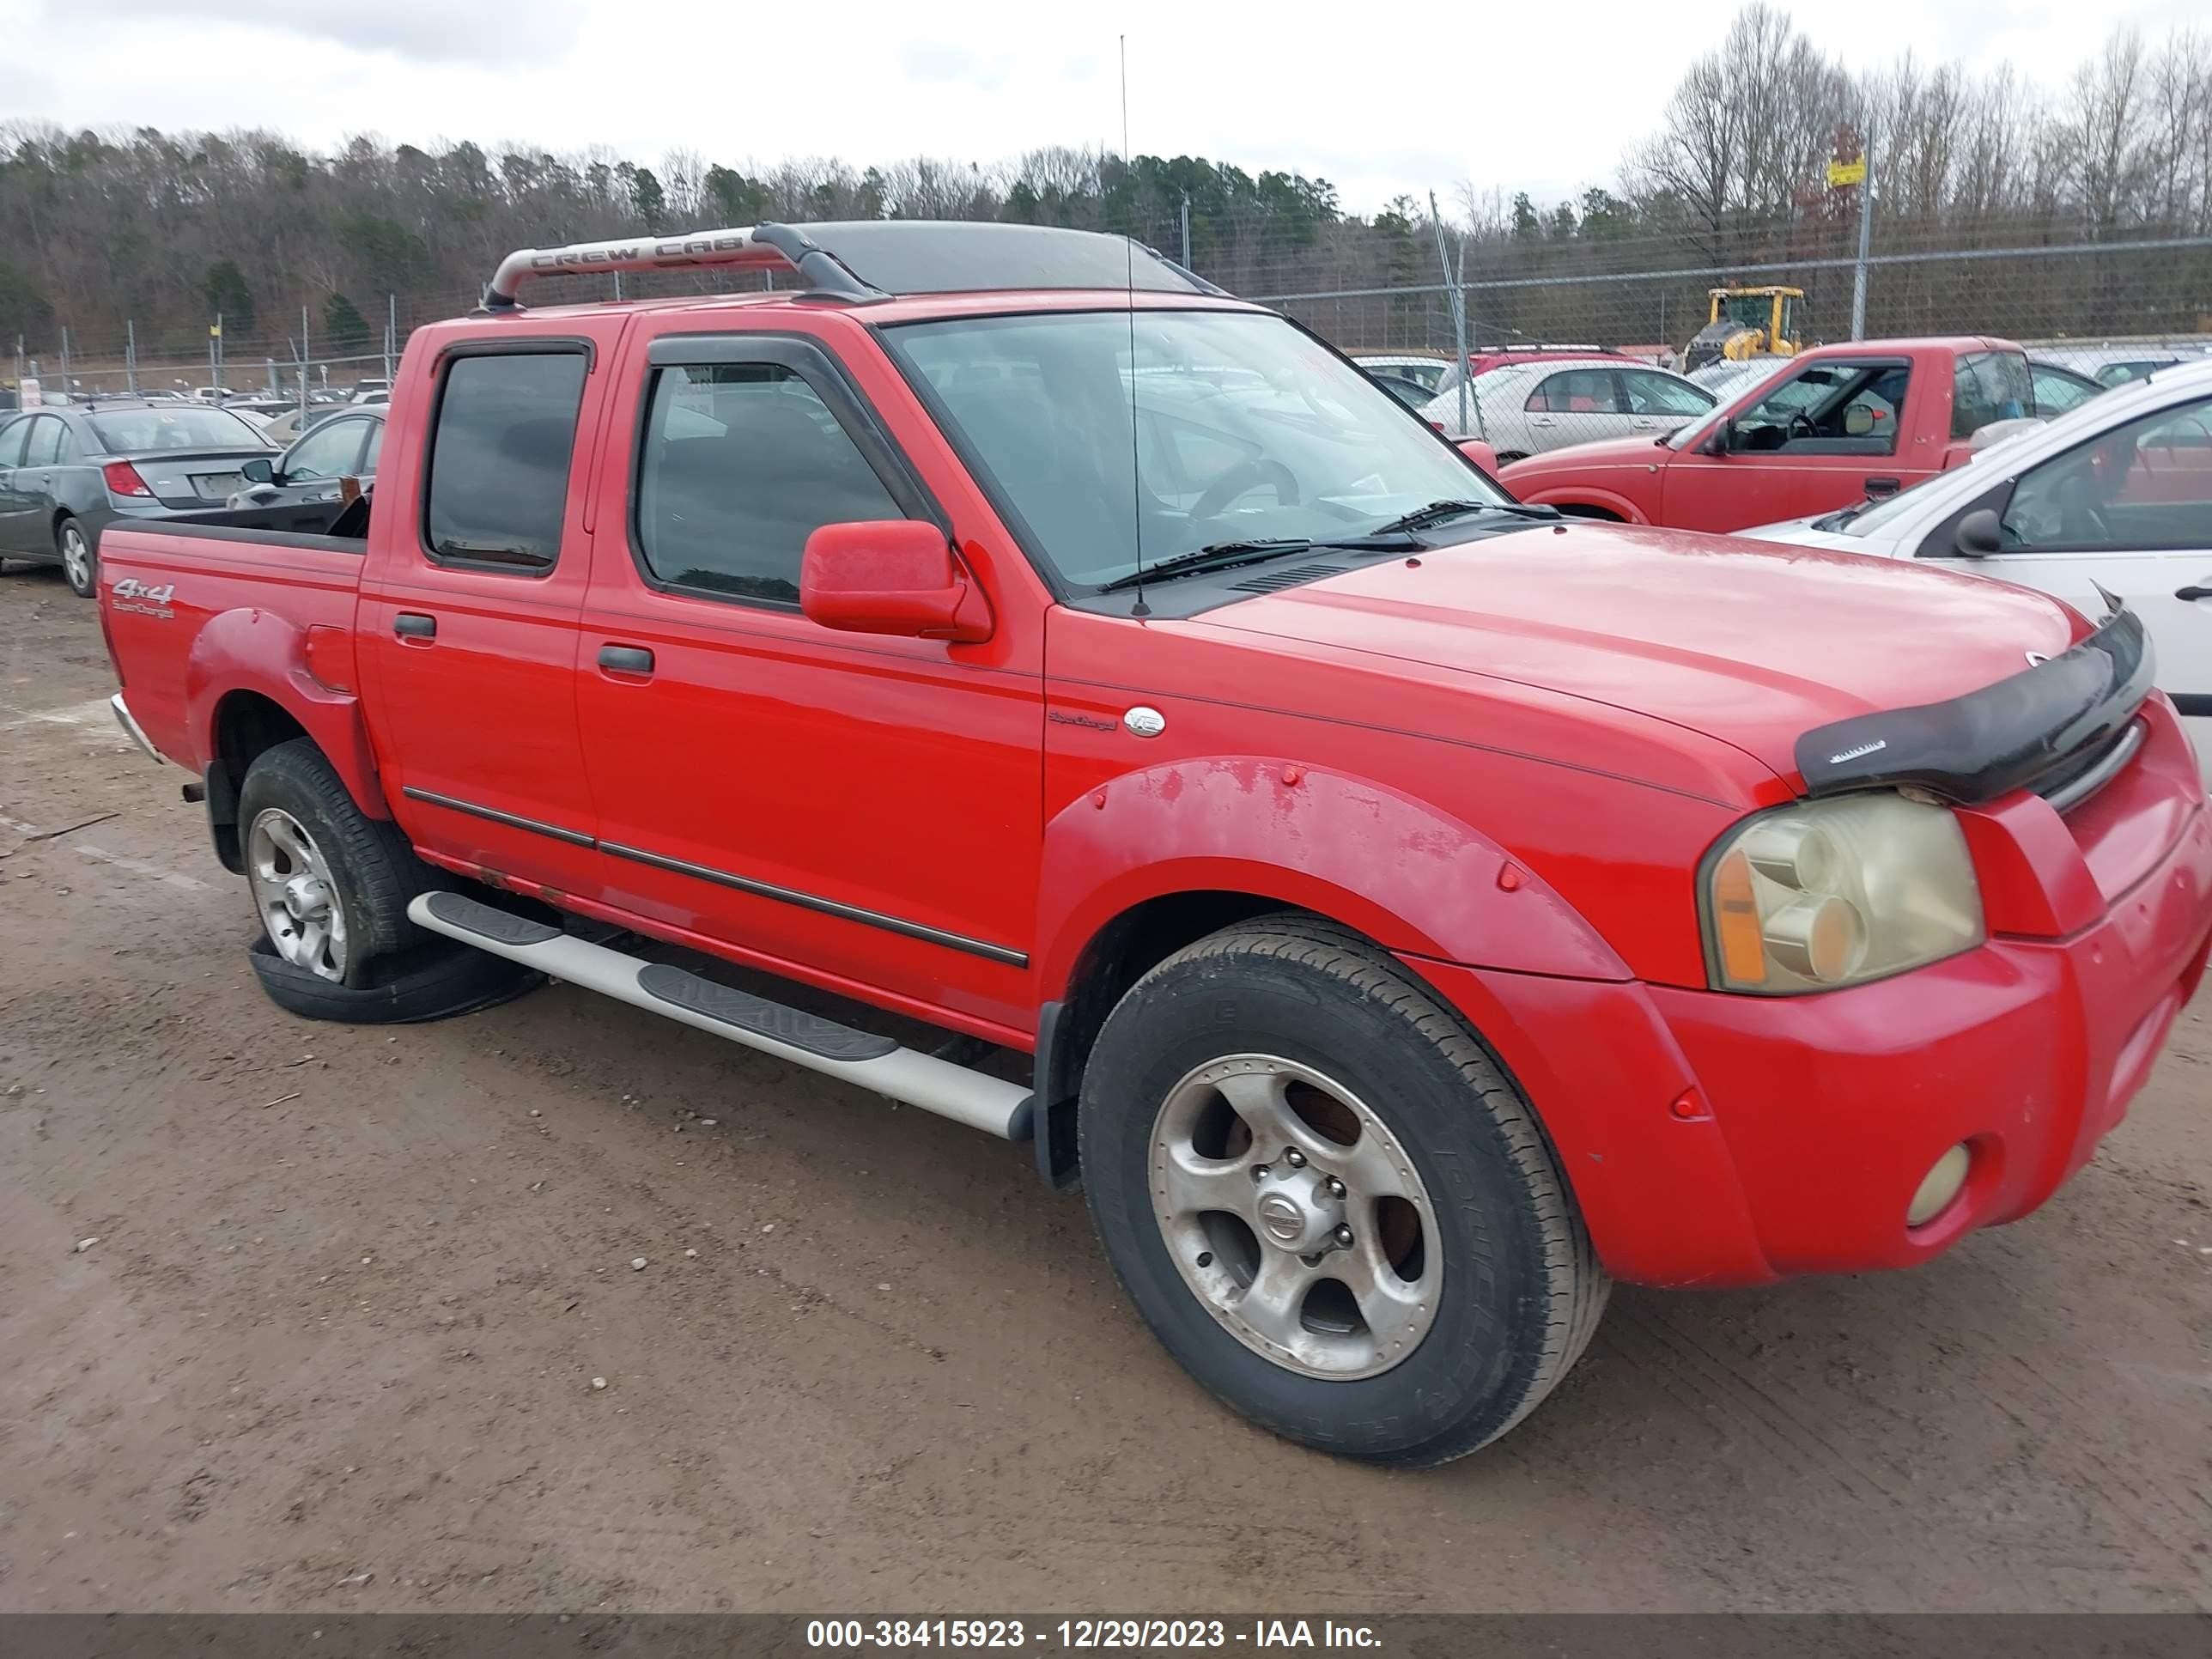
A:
(1608, 454)
(1749, 643)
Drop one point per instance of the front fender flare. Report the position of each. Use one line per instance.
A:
(258, 651)
(1409, 876)
(1564, 495)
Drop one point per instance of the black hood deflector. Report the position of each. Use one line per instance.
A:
(2001, 737)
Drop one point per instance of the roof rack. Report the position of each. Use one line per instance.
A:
(756, 248)
(898, 256)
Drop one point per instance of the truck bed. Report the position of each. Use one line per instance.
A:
(189, 597)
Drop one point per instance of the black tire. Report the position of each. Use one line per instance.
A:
(65, 527)
(1522, 1288)
(434, 980)
(374, 869)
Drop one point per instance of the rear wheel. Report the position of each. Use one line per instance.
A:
(330, 884)
(1327, 1202)
(79, 564)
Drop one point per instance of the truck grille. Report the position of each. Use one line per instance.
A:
(2082, 775)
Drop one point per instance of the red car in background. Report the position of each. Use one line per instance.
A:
(1838, 425)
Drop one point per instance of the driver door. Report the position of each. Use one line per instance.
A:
(1828, 435)
(863, 807)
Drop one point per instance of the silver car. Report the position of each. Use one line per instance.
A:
(1529, 409)
(67, 473)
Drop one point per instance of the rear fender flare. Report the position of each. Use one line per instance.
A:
(258, 651)
(1409, 876)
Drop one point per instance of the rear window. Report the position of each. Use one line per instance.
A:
(499, 458)
(178, 426)
(1990, 385)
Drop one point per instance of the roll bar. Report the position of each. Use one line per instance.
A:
(756, 248)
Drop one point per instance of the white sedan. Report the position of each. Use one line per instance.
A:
(2116, 495)
(1526, 408)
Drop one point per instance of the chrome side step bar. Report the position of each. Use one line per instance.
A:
(821, 1045)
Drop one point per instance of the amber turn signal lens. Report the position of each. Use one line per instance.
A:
(1736, 921)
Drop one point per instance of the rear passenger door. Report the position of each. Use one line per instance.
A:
(861, 809)
(469, 612)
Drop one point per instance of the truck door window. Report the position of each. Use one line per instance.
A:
(741, 462)
(500, 448)
(1827, 409)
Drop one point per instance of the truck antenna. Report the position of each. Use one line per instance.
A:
(1129, 281)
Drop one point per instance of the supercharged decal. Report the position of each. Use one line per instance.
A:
(141, 599)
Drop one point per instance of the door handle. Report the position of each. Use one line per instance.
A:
(414, 625)
(626, 659)
(1878, 488)
(2193, 593)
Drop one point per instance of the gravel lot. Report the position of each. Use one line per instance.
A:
(333, 1345)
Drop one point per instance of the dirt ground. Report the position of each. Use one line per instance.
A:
(332, 1347)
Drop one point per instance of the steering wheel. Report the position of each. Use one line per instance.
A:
(1242, 478)
(1803, 425)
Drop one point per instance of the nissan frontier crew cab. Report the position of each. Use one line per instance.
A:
(1422, 909)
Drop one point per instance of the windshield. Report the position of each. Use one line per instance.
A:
(1730, 397)
(172, 426)
(1750, 310)
(1245, 428)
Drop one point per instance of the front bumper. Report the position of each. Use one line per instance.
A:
(1721, 1139)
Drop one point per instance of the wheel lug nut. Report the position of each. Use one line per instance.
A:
(1343, 1235)
(1335, 1188)
(1294, 1158)
(1261, 1172)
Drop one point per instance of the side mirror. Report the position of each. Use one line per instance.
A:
(1481, 454)
(1980, 534)
(259, 470)
(896, 576)
(1858, 421)
(1722, 440)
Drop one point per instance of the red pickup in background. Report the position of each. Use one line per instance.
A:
(1832, 427)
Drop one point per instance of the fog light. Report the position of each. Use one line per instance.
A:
(1939, 1186)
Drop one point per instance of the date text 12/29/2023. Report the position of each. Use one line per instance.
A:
(1079, 1634)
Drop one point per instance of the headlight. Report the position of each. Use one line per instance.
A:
(1837, 892)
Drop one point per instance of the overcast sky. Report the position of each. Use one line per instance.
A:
(1546, 99)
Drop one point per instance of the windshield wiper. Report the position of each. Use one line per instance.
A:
(1224, 555)
(1437, 512)
(1214, 555)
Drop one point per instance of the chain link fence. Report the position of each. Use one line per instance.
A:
(2091, 312)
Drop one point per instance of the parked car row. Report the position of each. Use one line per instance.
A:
(67, 473)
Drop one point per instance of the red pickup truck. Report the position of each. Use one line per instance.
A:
(1421, 909)
(1838, 425)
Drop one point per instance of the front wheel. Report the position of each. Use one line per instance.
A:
(1327, 1199)
(79, 565)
